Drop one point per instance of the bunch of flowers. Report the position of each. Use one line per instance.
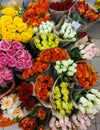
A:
(46, 41)
(25, 92)
(84, 48)
(11, 107)
(52, 55)
(62, 99)
(83, 13)
(45, 27)
(43, 85)
(61, 6)
(36, 13)
(67, 32)
(13, 28)
(86, 75)
(42, 66)
(37, 120)
(89, 101)
(12, 55)
(67, 67)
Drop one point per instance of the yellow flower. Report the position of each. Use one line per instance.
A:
(64, 84)
(11, 28)
(25, 37)
(17, 37)
(17, 113)
(7, 36)
(6, 20)
(21, 27)
(9, 11)
(30, 30)
(6, 103)
(17, 20)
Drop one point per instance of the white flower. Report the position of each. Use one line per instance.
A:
(96, 92)
(58, 62)
(65, 63)
(91, 97)
(6, 103)
(84, 101)
(59, 71)
(81, 46)
(57, 67)
(81, 108)
(69, 74)
(70, 61)
(17, 113)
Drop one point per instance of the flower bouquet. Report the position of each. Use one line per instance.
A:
(84, 14)
(59, 8)
(54, 88)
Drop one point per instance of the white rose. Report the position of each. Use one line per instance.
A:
(96, 92)
(59, 71)
(70, 61)
(91, 97)
(58, 62)
(90, 110)
(81, 108)
(64, 69)
(57, 67)
(84, 101)
(69, 73)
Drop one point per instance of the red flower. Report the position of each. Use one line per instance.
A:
(41, 113)
(41, 127)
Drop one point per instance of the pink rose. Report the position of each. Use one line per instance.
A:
(19, 53)
(4, 45)
(20, 64)
(28, 64)
(8, 75)
(4, 60)
(12, 62)
(26, 56)
(11, 53)
(16, 45)
(1, 79)
(2, 68)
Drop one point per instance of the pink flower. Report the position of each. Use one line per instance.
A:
(1, 79)
(11, 53)
(28, 64)
(2, 68)
(8, 75)
(4, 45)
(20, 64)
(16, 45)
(12, 62)
(4, 60)
(26, 56)
(20, 53)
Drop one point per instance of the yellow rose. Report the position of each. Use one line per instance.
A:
(21, 27)
(11, 28)
(25, 37)
(17, 20)
(17, 37)
(6, 20)
(9, 11)
(8, 36)
(30, 30)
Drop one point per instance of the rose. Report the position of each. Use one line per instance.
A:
(26, 56)
(8, 75)
(20, 53)
(16, 45)
(12, 62)
(4, 60)
(1, 79)
(11, 53)
(2, 68)
(4, 45)
(20, 64)
(28, 64)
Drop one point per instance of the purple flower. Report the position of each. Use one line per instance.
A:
(4, 45)
(12, 62)
(11, 53)
(16, 45)
(26, 56)
(8, 75)
(20, 53)
(20, 64)
(28, 64)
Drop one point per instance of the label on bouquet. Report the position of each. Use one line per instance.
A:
(75, 25)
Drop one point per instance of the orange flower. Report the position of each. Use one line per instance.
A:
(86, 75)
(41, 113)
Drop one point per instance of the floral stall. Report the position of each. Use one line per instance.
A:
(46, 79)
